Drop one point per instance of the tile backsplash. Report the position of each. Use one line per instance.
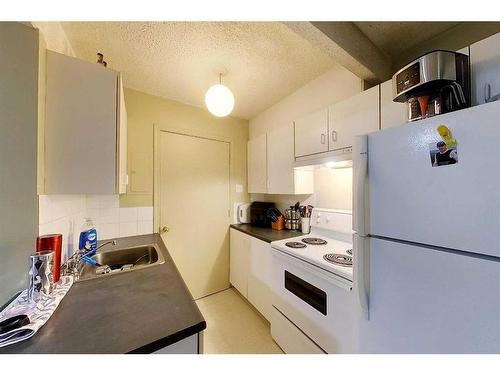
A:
(112, 221)
(66, 213)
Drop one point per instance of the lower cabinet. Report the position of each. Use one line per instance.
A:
(190, 345)
(259, 275)
(239, 253)
(250, 270)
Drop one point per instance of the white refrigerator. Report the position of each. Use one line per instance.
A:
(427, 234)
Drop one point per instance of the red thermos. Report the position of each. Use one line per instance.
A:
(52, 242)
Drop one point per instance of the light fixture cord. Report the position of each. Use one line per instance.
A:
(220, 78)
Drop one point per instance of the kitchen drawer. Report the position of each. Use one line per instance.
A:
(291, 339)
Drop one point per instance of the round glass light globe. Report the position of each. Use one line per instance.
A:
(219, 100)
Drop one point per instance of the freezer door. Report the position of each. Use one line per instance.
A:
(453, 206)
(430, 301)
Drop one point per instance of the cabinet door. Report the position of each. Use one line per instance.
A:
(80, 127)
(311, 133)
(257, 164)
(122, 176)
(238, 260)
(354, 116)
(391, 113)
(485, 68)
(259, 277)
(280, 161)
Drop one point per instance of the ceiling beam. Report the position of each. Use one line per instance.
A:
(348, 46)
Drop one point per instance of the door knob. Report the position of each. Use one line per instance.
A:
(164, 229)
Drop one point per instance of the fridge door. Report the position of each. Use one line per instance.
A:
(452, 206)
(429, 301)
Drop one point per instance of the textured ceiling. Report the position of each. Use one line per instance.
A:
(263, 61)
(393, 38)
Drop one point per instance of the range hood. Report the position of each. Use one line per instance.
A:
(341, 158)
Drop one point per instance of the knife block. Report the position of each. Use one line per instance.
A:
(280, 224)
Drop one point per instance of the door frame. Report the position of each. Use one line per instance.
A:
(157, 130)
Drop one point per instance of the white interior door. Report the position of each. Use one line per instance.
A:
(194, 208)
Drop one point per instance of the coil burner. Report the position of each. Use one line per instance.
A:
(339, 259)
(295, 245)
(314, 241)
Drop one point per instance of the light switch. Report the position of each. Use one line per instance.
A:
(239, 188)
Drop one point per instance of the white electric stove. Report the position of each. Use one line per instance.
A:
(314, 306)
(325, 252)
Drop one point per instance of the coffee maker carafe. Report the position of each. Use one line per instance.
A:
(435, 83)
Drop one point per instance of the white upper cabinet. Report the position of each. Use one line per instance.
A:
(391, 113)
(311, 133)
(257, 164)
(282, 177)
(85, 128)
(485, 69)
(356, 115)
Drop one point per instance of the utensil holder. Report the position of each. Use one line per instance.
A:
(305, 224)
(40, 274)
(280, 224)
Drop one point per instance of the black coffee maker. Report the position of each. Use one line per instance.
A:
(258, 214)
(437, 82)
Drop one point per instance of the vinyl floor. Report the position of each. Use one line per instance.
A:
(234, 326)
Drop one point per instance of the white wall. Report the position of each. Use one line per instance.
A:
(335, 85)
(332, 187)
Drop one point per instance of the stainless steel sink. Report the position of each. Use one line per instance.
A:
(123, 260)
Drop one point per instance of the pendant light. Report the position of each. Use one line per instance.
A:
(219, 99)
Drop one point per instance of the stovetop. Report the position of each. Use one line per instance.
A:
(315, 254)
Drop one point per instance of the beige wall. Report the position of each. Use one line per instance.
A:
(336, 84)
(55, 37)
(145, 110)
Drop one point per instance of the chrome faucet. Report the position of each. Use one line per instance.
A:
(74, 264)
(105, 243)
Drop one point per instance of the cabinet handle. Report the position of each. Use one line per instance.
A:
(323, 139)
(164, 229)
(334, 136)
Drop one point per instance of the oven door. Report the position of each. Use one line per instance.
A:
(319, 303)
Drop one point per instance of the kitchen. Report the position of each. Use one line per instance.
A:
(183, 196)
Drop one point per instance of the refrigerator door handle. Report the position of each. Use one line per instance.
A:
(361, 270)
(360, 169)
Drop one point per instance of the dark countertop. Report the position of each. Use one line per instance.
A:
(266, 234)
(138, 311)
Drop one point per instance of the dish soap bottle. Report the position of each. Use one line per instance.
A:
(88, 238)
